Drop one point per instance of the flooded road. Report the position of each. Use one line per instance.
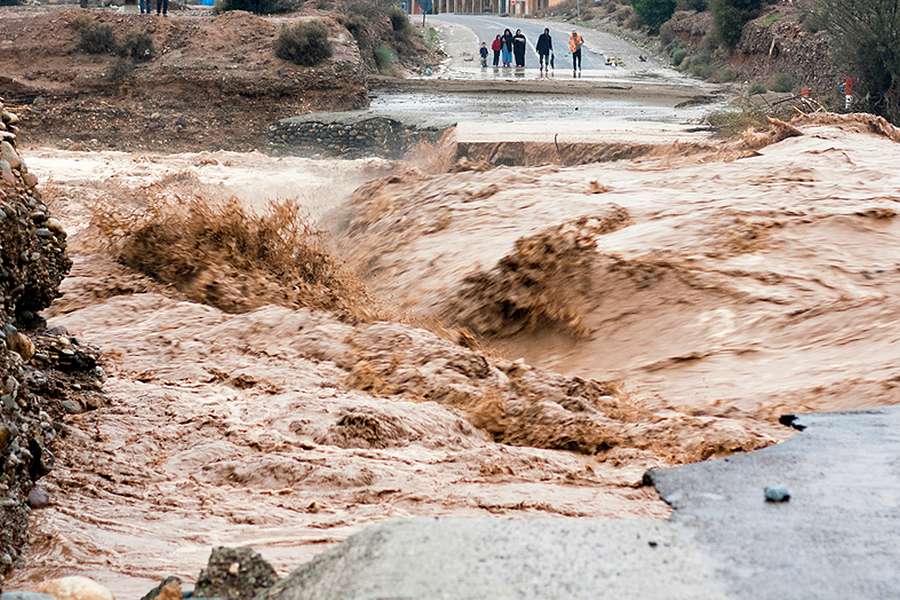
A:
(478, 108)
(772, 273)
(544, 335)
(290, 429)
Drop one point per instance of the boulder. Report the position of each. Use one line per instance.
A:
(75, 588)
(234, 574)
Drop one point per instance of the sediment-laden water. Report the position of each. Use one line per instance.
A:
(667, 309)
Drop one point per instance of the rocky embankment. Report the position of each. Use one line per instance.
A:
(355, 134)
(774, 48)
(43, 373)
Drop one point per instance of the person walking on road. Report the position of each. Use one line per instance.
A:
(575, 44)
(483, 52)
(544, 49)
(496, 46)
(506, 43)
(162, 7)
(519, 46)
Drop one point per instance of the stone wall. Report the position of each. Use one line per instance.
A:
(37, 367)
(353, 134)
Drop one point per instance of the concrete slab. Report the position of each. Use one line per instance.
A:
(506, 559)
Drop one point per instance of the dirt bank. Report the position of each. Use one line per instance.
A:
(209, 82)
(782, 49)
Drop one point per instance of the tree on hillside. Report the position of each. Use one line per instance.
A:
(654, 13)
(731, 16)
(866, 41)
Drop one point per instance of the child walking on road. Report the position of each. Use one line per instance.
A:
(484, 55)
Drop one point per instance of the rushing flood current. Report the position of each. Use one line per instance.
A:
(686, 299)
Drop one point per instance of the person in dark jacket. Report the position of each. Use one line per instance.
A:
(506, 47)
(495, 47)
(519, 46)
(545, 49)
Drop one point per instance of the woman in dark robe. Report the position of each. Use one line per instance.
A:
(519, 45)
(507, 47)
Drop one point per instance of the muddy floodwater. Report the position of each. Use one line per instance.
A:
(634, 314)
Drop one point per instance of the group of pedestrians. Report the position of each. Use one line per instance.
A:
(508, 47)
(162, 7)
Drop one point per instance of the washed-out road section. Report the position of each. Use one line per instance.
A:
(835, 538)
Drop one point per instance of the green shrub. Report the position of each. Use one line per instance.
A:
(770, 19)
(695, 5)
(653, 13)
(678, 55)
(356, 25)
(634, 22)
(121, 70)
(399, 20)
(261, 7)
(864, 37)
(723, 74)
(138, 46)
(699, 66)
(96, 38)
(730, 17)
(756, 88)
(781, 82)
(667, 33)
(812, 20)
(385, 60)
(305, 43)
(432, 39)
(623, 14)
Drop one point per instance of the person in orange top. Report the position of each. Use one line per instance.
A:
(575, 44)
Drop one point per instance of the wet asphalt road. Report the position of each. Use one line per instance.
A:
(486, 27)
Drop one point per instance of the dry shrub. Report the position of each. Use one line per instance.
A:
(218, 253)
(96, 38)
(304, 43)
(729, 123)
(778, 131)
(138, 46)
